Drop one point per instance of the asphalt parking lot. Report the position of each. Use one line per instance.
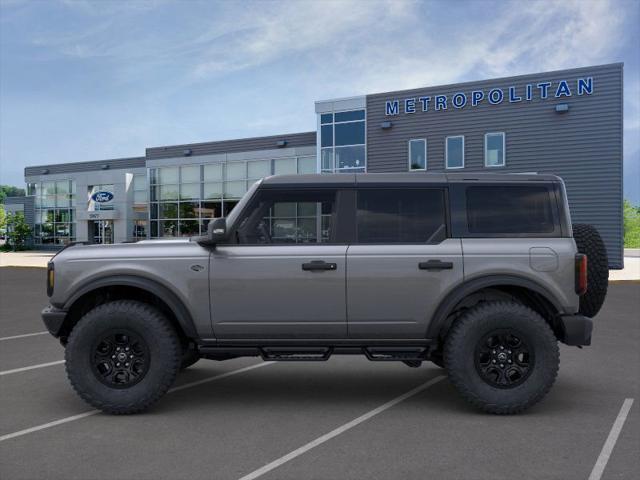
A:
(347, 418)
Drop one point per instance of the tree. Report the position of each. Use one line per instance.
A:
(18, 231)
(10, 191)
(631, 225)
(3, 218)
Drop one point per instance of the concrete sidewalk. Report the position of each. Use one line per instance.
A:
(29, 258)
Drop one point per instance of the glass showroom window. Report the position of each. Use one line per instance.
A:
(342, 141)
(175, 194)
(54, 213)
(184, 199)
(418, 154)
(455, 152)
(494, 144)
(140, 189)
(139, 227)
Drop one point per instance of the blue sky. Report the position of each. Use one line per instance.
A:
(87, 80)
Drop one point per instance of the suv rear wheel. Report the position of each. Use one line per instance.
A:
(502, 357)
(123, 356)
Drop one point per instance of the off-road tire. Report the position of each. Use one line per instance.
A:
(189, 357)
(150, 325)
(460, 356)
(589, 242)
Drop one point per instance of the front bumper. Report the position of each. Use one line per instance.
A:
(53, 319)
(576, 329)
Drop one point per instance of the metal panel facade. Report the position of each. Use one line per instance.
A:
(582, 145)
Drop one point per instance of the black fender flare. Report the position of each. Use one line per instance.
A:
(177, 307)
(459, 293)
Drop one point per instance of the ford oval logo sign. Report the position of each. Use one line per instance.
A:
(102, 197)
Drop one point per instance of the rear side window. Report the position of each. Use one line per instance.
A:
(509, 210)
(401, 216)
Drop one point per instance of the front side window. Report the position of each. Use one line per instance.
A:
(401, 216)
(494, 150)
(342, 141)
(455, 152)
(418, 154)
(509, 209)
(282, 218)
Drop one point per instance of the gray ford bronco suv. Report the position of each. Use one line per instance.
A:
(482, 274)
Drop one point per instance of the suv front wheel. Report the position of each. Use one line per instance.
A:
(502, 357)
(122, 356)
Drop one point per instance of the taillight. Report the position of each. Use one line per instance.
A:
(50, 278)
(581, 274)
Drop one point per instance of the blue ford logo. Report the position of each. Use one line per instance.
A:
(102, 197)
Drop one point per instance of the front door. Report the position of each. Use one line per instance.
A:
(401, 264)
(284, 276)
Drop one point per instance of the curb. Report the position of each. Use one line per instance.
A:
(22, 266)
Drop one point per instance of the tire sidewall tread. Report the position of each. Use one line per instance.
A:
(589, 242)
(164, 350)
(459, 356)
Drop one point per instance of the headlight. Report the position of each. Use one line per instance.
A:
(50, 278)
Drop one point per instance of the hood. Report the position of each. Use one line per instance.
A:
(145, 248)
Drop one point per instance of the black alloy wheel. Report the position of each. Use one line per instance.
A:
(120, 359)
(503, 358)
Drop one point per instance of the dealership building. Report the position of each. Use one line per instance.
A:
(568, 123)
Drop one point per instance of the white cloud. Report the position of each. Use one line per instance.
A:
(285, 54)
(364, 46)
(277, 30)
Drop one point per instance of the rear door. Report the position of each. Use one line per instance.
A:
(401, 263)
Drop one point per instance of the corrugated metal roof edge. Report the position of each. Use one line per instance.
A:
(62, 167)
(150, 151)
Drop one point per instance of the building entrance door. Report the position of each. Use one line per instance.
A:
(101, 231)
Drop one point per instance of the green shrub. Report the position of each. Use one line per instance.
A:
(631, 225)
(18, 231)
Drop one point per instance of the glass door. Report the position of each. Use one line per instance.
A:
(103, 231)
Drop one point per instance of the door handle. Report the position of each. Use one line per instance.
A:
(435, 265)
(318, 265)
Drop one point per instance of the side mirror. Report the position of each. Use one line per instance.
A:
(216, 233)
(217, 230)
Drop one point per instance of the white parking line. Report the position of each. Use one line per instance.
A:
(603, 459)
(23, 336)
(93, 412)
(31, 367)
(334, 433)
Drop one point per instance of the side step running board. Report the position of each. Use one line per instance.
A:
(394, 354)
(293, 354)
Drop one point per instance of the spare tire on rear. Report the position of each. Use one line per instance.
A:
(589, 242)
